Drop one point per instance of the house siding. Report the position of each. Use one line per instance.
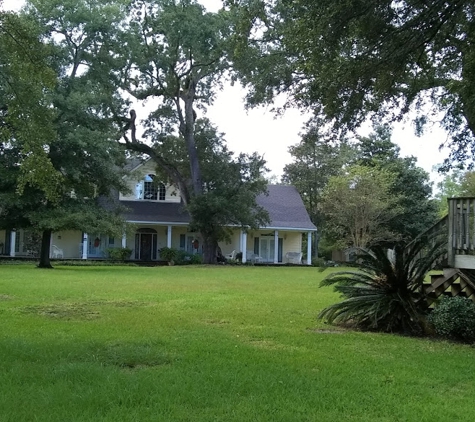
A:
(171, 193)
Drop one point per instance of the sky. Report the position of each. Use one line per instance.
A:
(260, 130)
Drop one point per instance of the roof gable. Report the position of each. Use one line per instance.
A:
(285, 207)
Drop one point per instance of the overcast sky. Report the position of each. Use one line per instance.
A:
(259, 130)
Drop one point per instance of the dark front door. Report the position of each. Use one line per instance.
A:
(146, 247)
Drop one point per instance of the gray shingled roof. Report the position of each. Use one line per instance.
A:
(285, 208)
(283, 203)
(169, 212)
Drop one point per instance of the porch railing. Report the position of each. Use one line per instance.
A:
(461, 228)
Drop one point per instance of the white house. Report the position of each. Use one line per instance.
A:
(160, 220)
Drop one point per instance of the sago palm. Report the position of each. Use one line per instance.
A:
(382, 293)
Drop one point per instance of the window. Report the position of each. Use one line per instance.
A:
(152, 190)
(149, 191)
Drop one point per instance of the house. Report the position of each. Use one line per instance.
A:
(160, 220)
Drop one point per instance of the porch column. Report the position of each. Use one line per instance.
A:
(84, 246)
(243, 245)
(124, 240)
(309, 248)
(12, 242)
(276, 246)
(169, 236)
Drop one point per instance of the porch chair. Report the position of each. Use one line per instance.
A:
(293, 257)
(231, 255)
(253, 258)
(56, 252)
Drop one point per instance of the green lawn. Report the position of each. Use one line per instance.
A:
(209, 344)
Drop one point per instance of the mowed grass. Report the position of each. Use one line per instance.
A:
(209, 344)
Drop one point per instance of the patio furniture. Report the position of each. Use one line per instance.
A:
(231, 255)
(293, 257)
(56, 252)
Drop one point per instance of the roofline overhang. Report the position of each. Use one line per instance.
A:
(172, 223)
(161, 223)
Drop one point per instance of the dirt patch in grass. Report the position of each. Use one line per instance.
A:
(63, 311)
(84, 310)
(5, 297)
(217, 321)
(327, 331)
(132, 356)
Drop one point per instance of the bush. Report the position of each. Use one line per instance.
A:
(454, 318)
(196, 259)
(318, 262)
(385, 295)
(119, 254)
(169, 254)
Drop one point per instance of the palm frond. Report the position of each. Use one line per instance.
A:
(384, 294)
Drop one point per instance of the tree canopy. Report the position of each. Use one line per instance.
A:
(174, 55)
(358, 205)
(81, 145)
(26, 118)
(411, 184)
(357, 59)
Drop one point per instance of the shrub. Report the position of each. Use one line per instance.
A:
(454, 318)
(196, 259)
(119, 254)
(382, 294)
(318, 262)
(168, 254)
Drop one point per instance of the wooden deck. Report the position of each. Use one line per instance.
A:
(461, 233)
(458, 277)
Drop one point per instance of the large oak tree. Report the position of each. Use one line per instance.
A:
(350, 60)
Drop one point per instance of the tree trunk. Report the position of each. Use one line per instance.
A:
(209, 250)
(45, 247)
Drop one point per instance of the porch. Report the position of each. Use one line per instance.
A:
(458, 227)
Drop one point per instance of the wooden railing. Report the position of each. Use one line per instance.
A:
(461, 230)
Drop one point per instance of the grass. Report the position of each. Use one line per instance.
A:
(209, 344)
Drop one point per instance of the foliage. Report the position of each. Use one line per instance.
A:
(316, 158)
(82, 145)
(384, 295)
(231, 183)
(358, 206)
(32, 242)
(454, 318)
(411, 185)
(26, 118)
(318, 262)
(186, 258)
(354, 59)
(168, 254)
(175, 54)
(119, 254)
(457, 183)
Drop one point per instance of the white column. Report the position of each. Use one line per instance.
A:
(244, 246)
(84, 246)
(169, 237)
(276, 246)
(124, 240)
(12, 242)
(309, 248)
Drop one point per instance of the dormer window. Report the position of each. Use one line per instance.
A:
(150, 190)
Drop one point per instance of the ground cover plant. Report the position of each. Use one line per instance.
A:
(199, 343)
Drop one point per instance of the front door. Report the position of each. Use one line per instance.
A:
(146, 247)
(146, 244)
(266, 249)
